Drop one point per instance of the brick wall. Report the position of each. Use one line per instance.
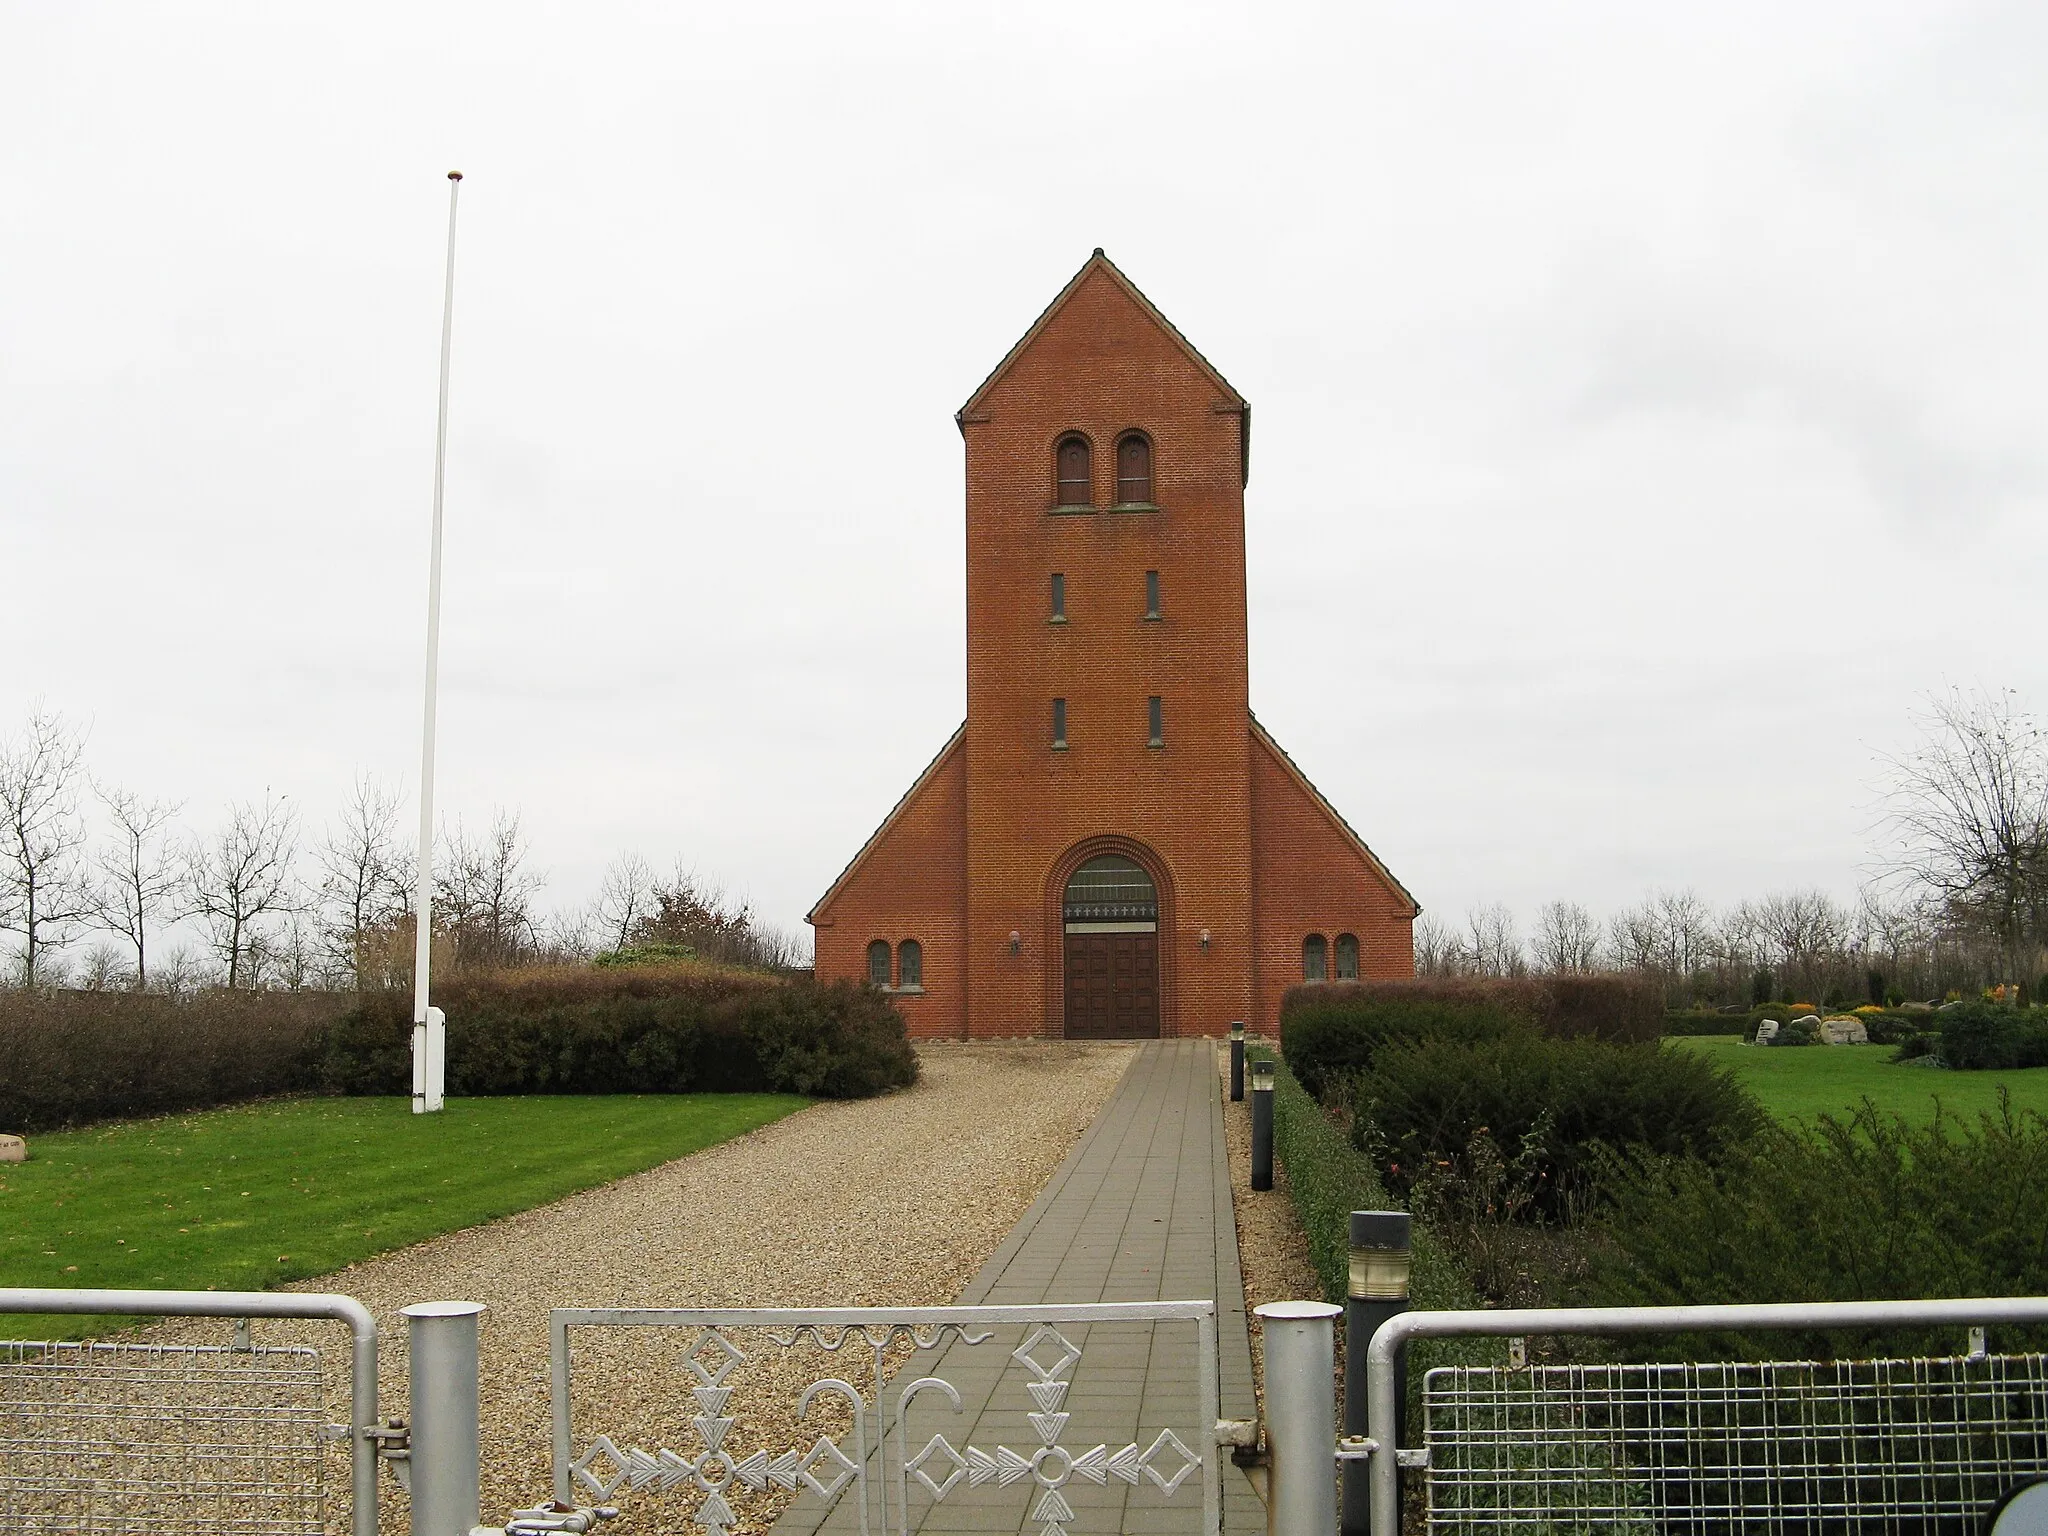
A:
(910, 883)
(982, 846)
(1100, 363)
(1311, 876)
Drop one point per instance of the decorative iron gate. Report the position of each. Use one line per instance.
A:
(928, 1406)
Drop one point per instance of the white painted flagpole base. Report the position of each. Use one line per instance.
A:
(430, 1063)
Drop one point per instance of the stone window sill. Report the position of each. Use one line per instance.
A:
(1156, 744)
(915, 990)
(1059, 746)
(1058, 618)
(1155, 618)
(1135, 506)
(1067, 511)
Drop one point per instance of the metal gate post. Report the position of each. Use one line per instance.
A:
(1301, 1417)
(1262, 1124)
(1380, 1259)
(1237, 1061)
(446, 1449)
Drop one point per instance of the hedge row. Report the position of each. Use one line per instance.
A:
(75, 1058)
(1980, 1037)
(1332, 1031)
(1329, 1178)
(70, 1058)
(1548, 1104)
(635, 1031)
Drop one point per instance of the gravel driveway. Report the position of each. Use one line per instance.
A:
(889, 1201)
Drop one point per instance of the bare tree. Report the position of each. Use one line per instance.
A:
(1806, 931)
(43, 889)
(1635, 937)
(484, 893)
(140, 876)
(1437, 951)
(242, 876)
(1969, 809)
(366, 875)
(103, 968)
(625, 900)
(1493, 942)
(1567, 938)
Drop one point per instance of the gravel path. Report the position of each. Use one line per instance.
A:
(890, 1201)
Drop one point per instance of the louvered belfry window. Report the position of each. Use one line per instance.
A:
(1134, 471)
(1076, 483)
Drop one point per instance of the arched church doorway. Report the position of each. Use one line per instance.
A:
(1110, 910)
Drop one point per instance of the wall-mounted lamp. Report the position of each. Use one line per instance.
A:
(1205, 941)
(1016, 942)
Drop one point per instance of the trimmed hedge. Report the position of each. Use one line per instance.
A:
(71, 1058)
(1332, 1031)
(653, 1030)
(1329, 1179)
(1705, 1021)
(1423, 1102)
(1859, 1208)
(1979, 1037)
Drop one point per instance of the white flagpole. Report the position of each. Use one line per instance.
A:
(429, 1039)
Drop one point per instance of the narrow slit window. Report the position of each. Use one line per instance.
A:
(910, 965)
(1071, 467)
(1134, 470)
(878, 962)
(1347, 957)
(1315, 955)
(1059, 597)
(1155, 719)
(1059, 725)
(1151, 594)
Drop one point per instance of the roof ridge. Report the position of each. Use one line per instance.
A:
(1097, 259)
(1334, 814)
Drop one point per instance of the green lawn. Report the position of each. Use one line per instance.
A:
(1799, 1082)
(251, 1197)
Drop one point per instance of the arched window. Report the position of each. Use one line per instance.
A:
(1315, 956)
(1347, 957)
(1071, 463)
(910, 965)
(878, 962)
(1134, 470)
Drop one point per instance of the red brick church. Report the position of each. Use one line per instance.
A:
(1111, 845)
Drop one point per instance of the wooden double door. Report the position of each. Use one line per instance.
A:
(1112, 986)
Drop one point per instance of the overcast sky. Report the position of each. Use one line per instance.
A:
(1649, 401)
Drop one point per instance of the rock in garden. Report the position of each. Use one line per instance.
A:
(1844, 1030)
(1767, 1031)
(13, 1150)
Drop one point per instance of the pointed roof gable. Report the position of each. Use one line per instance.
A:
(931, 771)
(1098, 262)
(1293, 770)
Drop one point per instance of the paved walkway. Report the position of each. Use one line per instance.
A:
(1139, 1211)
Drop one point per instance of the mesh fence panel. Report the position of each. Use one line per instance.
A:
(170, 1439)
(1798, 1447)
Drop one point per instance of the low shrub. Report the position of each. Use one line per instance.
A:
(648, 1030)
(1333, 1030)
(72, 1058)
(1420, 1104)
(1978, 1037)
(1866, 1207)
(1705, 1021)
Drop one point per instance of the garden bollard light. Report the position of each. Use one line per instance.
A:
(1380, 1258)
(1262, 1124)
(1301, 1415)
(446, 1449)
(1237, 1062)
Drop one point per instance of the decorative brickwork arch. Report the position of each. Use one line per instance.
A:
(1062, 871)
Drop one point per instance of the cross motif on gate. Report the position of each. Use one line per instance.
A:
(1052, 1465)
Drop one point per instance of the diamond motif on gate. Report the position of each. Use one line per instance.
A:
(1190, 1461)
(603, 1486)
(714, 1373)
(1044, 1334)
(825, 1450)
(938, 1446)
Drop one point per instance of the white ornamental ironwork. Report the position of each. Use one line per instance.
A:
(711, 1472)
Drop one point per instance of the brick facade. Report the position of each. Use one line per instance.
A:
(1238, 844)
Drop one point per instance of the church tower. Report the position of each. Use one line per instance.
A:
(1083, 858)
